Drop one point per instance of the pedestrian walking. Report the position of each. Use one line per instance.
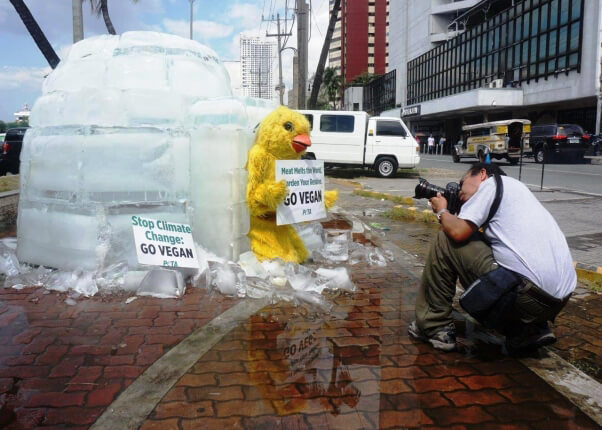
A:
(440, 145)
(431, 144)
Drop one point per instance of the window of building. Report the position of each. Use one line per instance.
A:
(532, 39)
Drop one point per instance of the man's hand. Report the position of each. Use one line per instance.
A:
(438, 203)
(457, 229)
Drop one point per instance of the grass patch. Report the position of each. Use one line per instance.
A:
(411, 173)
(590, 280)
(354, 172)
(9, 183)
(376, 195)
(403, 213)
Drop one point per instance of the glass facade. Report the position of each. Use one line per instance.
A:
(531, 40)
(379, 94)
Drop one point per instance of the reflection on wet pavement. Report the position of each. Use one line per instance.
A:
(356, 368)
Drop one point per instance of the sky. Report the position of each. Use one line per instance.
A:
(217, 23)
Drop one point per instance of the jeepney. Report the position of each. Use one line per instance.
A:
(499, 139)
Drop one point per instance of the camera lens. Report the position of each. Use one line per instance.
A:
(425, 190)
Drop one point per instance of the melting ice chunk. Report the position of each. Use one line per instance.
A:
(162, 284)
(338, 278)
(228, 278)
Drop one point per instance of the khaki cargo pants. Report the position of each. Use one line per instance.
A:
(446, 262)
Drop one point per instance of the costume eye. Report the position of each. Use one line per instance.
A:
(288, 126)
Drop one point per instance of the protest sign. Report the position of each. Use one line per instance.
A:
(164, 243)
(305, 183)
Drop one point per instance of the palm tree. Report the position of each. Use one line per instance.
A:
(36, 32)
(320, 69)
(333, 83)
(364, 78)
(78, 20)
(101, 7)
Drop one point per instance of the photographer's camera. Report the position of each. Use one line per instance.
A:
(425, 190)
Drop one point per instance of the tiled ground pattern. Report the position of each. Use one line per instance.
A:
(62, 365)
(358, 369)
(578, 329)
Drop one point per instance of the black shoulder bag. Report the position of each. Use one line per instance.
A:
(490, 297)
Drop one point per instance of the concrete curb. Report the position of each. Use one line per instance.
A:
(132, 407)
(410, 212)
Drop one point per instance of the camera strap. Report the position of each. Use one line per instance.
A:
(499, 192)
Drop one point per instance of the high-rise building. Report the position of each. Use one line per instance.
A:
(464, 62)
(256, 59)
(360, 39)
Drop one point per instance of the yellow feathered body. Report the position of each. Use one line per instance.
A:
(282, 135)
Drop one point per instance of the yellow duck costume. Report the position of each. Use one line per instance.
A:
(282, 135)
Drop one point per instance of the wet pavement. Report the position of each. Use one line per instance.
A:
(170, 363)
(62, 365)
(356, 368)
(578, 327)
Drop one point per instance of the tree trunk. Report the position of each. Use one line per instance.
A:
(320, 70)
(105, 14)
(78, 20)
(36, 32)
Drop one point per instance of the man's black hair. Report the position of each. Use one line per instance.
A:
(490, 168)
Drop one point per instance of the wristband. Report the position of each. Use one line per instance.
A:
(441, 212)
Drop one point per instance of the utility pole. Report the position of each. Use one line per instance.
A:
(302, 31)
(279, 35)
(598, 85)
(191, 13)
(78, 20)
(315, 89)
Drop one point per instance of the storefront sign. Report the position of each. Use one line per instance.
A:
(164, 243)
(410, 111)
(305, 183)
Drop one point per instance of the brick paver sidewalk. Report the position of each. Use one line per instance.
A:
(63, 365)
(356, 367)
(284, 367)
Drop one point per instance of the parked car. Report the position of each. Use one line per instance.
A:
(558, 142)
(11, 150)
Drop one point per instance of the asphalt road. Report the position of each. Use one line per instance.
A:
(582, 178)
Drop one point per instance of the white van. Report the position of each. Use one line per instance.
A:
(352, 138)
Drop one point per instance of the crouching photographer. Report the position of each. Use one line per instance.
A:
(509, 255)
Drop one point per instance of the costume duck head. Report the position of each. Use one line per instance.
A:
(284, 134)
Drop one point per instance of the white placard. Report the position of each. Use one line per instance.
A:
(164, 243)
(305, 183)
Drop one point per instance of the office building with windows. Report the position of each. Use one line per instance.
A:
(464, 62)
(360, 39)
(256, 61)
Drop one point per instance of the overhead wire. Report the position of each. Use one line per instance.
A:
(292, 25)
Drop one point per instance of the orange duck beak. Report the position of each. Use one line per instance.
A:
(301, 142)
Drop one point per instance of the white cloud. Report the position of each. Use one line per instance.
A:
(20, 77)
(204, 30)
(248, 15)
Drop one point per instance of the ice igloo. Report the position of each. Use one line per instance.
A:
(139, 124)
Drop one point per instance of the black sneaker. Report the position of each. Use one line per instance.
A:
(443, 339)
(533, 336)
